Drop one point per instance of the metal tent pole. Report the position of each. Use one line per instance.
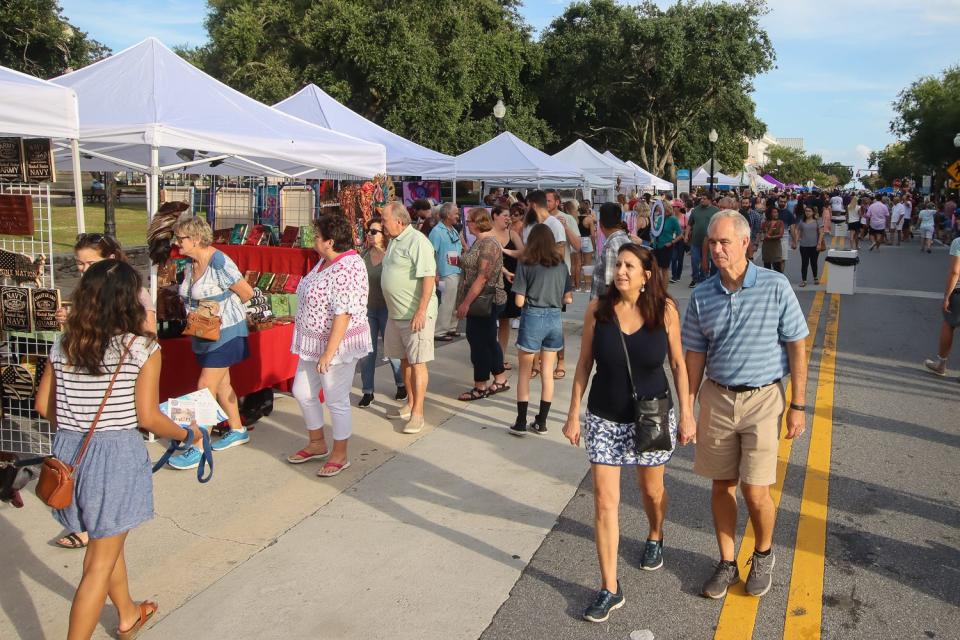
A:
(78, 185)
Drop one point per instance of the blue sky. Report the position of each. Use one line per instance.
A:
(840, 63)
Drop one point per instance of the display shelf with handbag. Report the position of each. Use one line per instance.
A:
(651, 414)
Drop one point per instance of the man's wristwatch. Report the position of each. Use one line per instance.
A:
(798, 407)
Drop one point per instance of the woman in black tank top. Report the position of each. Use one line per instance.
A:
(638, 312)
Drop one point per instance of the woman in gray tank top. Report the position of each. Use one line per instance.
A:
(808, 236)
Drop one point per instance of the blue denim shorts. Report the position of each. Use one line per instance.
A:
(540, 329)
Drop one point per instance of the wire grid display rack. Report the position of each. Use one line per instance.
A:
(23, 355)
(225, 202)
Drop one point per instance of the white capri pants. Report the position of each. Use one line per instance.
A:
(336, 384)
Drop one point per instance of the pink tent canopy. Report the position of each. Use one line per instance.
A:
(773, 181)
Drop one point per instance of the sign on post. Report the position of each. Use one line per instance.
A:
(683, 180)
(954, 170)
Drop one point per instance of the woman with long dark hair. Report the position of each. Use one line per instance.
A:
(113, 491)
(89, 249)
(635, 317)
(541, 287)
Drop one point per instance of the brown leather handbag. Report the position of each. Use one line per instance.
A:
(204, 323)
(55, 484)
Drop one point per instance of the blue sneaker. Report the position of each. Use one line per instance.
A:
(232, 439)
(189, 459)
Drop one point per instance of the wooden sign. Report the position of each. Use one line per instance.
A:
(45, 304)
(16, 215)
(38, 158)
(11, 159)
(21, 267)
(15, 308)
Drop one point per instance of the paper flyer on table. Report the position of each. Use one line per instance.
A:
(198, 405)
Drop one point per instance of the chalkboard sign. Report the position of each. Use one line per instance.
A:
(11, 159)
(38, 157)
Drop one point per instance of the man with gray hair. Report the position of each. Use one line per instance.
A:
(745, 330)
(408, 279)
(447, 248)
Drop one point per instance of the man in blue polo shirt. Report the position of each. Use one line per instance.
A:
(736, 321)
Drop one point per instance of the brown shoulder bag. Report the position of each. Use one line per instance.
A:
(55, 484)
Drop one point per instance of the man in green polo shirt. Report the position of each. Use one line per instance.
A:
(697, 223)
(407, 280)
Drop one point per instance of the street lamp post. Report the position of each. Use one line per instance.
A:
(499, 111)
(712, 137)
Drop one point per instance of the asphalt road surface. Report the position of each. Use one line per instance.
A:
(867, 538)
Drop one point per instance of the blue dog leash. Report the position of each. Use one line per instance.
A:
(206, 458)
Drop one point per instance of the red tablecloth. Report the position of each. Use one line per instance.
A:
(270, 259)
(270, 364)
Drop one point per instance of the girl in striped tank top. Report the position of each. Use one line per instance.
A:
(113, 490)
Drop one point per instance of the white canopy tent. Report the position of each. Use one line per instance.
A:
(755, 182)
(594, 163)
(508, 160)
(404, 158)
(658, 183)
(701, 178)
(30, 107)
(149, 110)
(650, 179)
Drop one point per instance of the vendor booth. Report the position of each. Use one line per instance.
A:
(146, 109)
(34, 115)
(650, 180)
(593, 163)
(701, 178)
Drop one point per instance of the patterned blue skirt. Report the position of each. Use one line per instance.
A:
(612, 443)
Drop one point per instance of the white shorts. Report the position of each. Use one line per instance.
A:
(586, 244)
(897, 225)
(926, 234)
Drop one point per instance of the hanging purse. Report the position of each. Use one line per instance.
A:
(55, 484)
(204, 322)
(651, 415)
(482, 305)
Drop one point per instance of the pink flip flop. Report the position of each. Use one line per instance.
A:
(330, 469)
(305, 456)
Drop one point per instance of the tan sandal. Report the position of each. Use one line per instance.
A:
(147, 610)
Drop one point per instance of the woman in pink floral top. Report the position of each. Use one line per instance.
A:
(331, 335)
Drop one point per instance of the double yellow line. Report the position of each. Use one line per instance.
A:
(805, 601)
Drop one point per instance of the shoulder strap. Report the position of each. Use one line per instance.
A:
(626, 355)
(103, 403)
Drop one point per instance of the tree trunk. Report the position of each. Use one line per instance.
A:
(110, 204)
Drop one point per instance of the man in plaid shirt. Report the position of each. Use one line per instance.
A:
(611, 223)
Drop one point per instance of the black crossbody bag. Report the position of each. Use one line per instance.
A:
(651, 422)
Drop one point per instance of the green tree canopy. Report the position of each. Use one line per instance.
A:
(649, 83)
(927, 120)
(429, 70)
(790, 165)
(36, 39)
(894, 161)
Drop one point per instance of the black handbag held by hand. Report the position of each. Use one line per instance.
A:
(651, 415)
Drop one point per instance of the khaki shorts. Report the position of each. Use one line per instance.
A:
(738, 434)
(400, 342)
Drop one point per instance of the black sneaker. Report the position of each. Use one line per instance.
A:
(760, 577)
(724, 575)
(518, 429)
(537, 428)
(401, 393)
(365, 400)
(652, 555)
(606, 602)
(692, 284)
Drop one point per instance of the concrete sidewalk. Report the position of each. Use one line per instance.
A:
(423, 536)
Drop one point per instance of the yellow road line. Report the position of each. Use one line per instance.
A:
(739, 613)
(805, 602)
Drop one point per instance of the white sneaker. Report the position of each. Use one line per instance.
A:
(937, 366)
(515, 323)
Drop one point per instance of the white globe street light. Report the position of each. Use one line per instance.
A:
(712, 137)
(499, 111)
(956, 141)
